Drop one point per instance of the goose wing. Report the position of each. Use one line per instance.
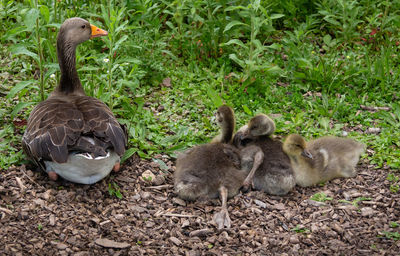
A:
(59, 125)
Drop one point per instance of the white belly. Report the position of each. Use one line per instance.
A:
(82, 168)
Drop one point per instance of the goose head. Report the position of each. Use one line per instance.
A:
(77, 30)
(72, 32)
(295, 145)
(259, 125)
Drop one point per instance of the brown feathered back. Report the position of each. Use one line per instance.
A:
(61, 124)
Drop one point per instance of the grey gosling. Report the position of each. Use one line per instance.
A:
(211, 170)
(274, 175)
(322, 159)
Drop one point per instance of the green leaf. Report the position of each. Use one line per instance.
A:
(30, 18)
(234, 23)
(19, 107)
(161, 163)
(233, 57)
(18, 87)
(275, 46)
(22, 50)
(276, 16)
(128, 154)
(44, 10)
(119, 42)
(247, 110)
(235, 41)
(215, 98)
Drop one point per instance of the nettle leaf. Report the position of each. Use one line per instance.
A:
(276, 16)
(128, 154)
(235, 58)
(215, 98)
(30, 18)
(44, 10)
(18, 87)
(22, 50)
(119, 42)
(235, 41)
(234, 23)
(19, 107)
(247, 110)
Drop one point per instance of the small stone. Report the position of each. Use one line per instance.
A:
(279, 206)
(175, 240)
(148, 176)
(260, 203)
(367, 211)
(178, 201)
(158, 180)
(61, 246)
(111, 244)
(185, 223)
(294, 240)
(52, 220)
(119, 216)
(200, 232)
(373, 130)
(315, 203)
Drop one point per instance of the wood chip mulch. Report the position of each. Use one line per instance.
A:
(41, 217)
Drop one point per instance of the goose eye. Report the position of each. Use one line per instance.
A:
(83, 26)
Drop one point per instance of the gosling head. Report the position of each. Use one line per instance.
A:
(225, 116)
(259, 125)
(77, 30)
(295, 145)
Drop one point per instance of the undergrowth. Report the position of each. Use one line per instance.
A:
(167, 65)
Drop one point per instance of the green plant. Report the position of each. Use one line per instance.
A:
(300, 229)
(39, 227)
(356, 201)
(113, 190)
(259, 19)
(394, 224)
(392, 235)
(321, 197)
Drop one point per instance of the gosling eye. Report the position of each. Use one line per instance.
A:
(83, 26)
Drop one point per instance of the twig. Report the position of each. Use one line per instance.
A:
(374, 109)
(178, 215)
(6, 210)
(20, 184)
(159, 187)
(23, 171)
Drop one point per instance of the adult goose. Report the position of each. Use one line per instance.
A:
(71, 134)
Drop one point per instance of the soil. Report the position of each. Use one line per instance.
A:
(43, 217)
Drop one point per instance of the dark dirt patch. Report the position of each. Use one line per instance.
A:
(41, 217)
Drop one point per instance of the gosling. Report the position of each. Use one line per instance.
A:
(322, 159)
(274, 174)
(211, 170)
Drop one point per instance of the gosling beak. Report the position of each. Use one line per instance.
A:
(307, 154)
(97, 32)
(244, 135)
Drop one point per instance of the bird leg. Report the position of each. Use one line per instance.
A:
(257, 160)
(52, 175)
(222, 218)
(116, 167)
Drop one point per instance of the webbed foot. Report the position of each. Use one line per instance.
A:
(52, 175)
(222, 219)
(116, 167)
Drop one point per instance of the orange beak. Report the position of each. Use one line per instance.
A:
(97, 32)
